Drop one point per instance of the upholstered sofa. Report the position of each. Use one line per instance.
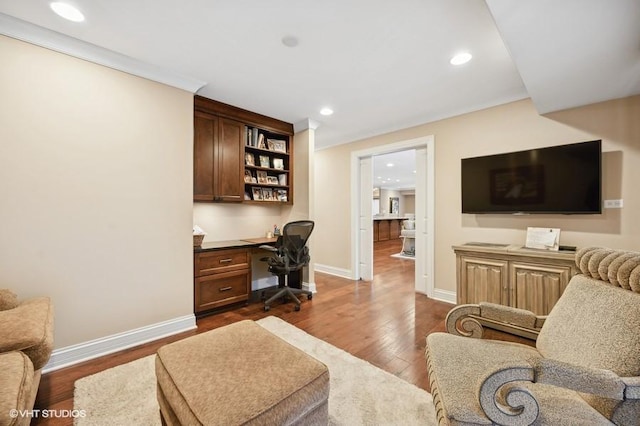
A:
(26, 342)
(583, 370)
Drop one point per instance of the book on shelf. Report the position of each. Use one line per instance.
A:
(260, 142)
(282, 179)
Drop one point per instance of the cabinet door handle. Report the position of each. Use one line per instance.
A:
(225, 289)
(226, 260)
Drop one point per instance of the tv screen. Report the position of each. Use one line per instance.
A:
(559, 179)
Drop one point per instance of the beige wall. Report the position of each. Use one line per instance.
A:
(510, 127)
(96, 190)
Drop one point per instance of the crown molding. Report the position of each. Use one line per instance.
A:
(43, 37)
(306, 124)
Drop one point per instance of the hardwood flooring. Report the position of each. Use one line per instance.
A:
(383, 322)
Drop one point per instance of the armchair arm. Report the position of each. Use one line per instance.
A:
(505, 401)
(463, 319)
(596, 381)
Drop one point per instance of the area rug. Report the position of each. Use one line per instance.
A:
(361, 394)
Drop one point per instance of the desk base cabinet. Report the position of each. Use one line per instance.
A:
(221, 278)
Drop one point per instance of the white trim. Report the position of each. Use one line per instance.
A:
(81, 352)
(34, 34)
(424, 141)
(332, 270)
(309, 287)
(444, 296)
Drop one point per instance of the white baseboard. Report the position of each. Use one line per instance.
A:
(309, 287)
(70, 355)
(331, 270)
(444, 296)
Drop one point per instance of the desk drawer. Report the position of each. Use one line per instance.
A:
(212, 262)
(214, 291)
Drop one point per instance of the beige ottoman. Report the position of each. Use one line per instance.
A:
(240, 374)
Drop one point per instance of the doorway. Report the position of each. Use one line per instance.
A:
(362, 184)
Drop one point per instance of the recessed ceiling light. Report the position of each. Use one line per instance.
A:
(326, 111)
(290, 41)
(67, 11)
(461, 58)
(389, 164)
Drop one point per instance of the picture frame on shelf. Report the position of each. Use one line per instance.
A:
(272, 180)
(278, 163)
(261, 143)
(267, 194)
(248, 176)
(264, 161)
(257, 193)
(282, 179)
(277, 145)
(282, 195)
(249, 159)
(262, 176)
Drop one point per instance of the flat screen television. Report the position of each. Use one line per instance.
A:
(563, 179)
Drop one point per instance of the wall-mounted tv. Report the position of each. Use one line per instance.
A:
(562, 179)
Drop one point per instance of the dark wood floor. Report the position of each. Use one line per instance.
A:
(384, 322)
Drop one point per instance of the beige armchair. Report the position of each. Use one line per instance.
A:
(584, 369)
(26, 342)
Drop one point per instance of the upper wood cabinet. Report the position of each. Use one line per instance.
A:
(221, 149)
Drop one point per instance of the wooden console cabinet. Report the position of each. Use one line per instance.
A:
(221, 277)
(240, 156)
(512, 275)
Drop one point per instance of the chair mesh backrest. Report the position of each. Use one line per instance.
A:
(294, 241)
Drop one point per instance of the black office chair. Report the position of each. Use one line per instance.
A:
(290, 254)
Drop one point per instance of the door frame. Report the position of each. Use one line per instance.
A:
(424, 276)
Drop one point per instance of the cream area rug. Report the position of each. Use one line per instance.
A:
(360, 393)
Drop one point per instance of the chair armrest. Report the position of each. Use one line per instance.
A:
(28, 328)
(506, 402)
(268, 248)
(510, 315)
(505, 399)
(632, 387)
(595, 381)
(460, 322)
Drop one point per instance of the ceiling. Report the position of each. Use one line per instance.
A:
(380, 65)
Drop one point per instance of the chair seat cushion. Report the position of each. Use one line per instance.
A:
(458, 364)
(16, 386)
(240, 374)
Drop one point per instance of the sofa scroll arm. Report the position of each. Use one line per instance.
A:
(463, 320)
(503, 398)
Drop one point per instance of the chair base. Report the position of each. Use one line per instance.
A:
(287, 292)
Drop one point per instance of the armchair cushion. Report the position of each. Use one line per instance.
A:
(587, 329)
(29, 328)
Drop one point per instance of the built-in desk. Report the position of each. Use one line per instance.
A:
(222, 272)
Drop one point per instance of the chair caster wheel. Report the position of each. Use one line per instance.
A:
(297, 308)
(309, 296)
(266, 308)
